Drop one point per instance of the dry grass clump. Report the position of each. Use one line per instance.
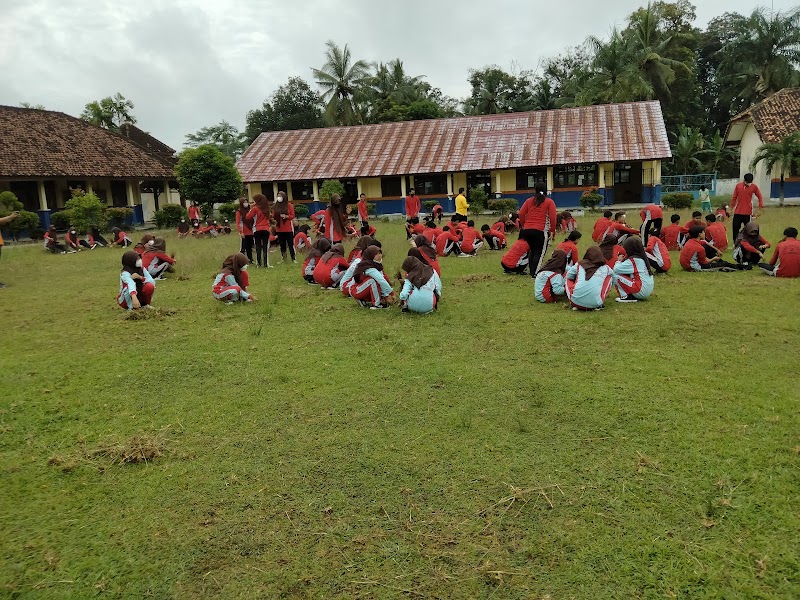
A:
(140, 448)
(154, 313)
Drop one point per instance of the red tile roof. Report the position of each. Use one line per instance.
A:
(588, 134)
(43, 143)
(774, 118)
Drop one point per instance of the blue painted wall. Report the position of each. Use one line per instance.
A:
(791, 189)
(44, 219)
(138, 215)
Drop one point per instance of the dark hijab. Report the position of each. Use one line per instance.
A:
(337, 215)
(262, 203)
(115, 231)
(159, 245)
(751, 233)
(336, 250)
(364, 242)
(129, 266)
(304, 229)
(418, 273)
(633, 247)
(607, 246)
(243, 210)
(592, 260)
(281, 206)
(556, 264)
(425, 247)
(233, 265)
(319, 247)
(367, 262)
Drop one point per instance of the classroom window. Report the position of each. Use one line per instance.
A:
(575, 176)
(528, 178)
(302, 190)
(426, 185)
(390, 186)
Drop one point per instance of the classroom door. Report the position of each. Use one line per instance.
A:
(479, 179)
(627, 183)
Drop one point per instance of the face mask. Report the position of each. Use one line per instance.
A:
(244, 268)
(380, 262)
(183, 220)
(247, 205)
(72, 232)
(139, 264)
(151, 242)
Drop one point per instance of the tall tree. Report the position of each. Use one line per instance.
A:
(292, 106)
(224, 136)
(614, 75)
(340, 79)
(784, 154)
(687, 148)
(496, 91)
(110, 112)
(207, 176)
(718, 98)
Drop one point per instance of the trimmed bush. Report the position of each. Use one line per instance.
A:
(10, 202)
(228, 211)
(301, 211)
(429, 204)
(503, 206)
(591, 198)
(478, 198)
(25, 221)
(61, 219)
(677, 200)
(118, 217)
(371, 208)
(86, 211)
(169, 216)
(330, 187)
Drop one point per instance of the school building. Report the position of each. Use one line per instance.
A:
(45, 153)
(616, 148)
(767, 122)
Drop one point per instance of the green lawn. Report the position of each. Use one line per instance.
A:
(304, 447)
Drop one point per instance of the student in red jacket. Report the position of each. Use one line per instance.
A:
(73, 241)
(696, 255)
(785, 261)
(566, 222)
(431, 231)
(260, 215)
(318, 248)
(471, 240)
(695, 221)
(652, 220)
(184, 229)
(619, 229)
(612, 251)
(515, 261)
(283, 215)
(658, 254)
(501, 225)
(674, 235)
(156, 260)
(301, 241)
(436, 212)
(426, 253)
(742, 203)
(120, 238)
(538, 218)
(716, 234)
(362, 244)
(335, 220)
(245, 228)
(600, 226)
(330, 267)
(319, 221)
(412, 208)
(194, 212)
(750, 246)
(447, 242)
(495, 240)
(144, 243)
(363, 214)
(570, 247)
(368, 230)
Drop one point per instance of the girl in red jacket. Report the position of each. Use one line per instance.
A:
(318, 248)
(515, 261)
(335, 220)
(427, 253)
(658, 254)
(283, 214)
(330, 267)
(750, 246)
(245, 228)
(301, 241)
(156, 260)
(570, 247)
(612, 251)
(259, 215)
(538, 218)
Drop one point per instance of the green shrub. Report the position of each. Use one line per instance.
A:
(117, 217)
(169, 216)
(228, 210)
(478, 198)
(86, 211)
(25, 221)
(717, 201)
(429, 204)
(591, 198)
(330, 187)
(61, 219)
(503, 206)
(10, 202)
(301, 211)
(677, 200)
(371, 208)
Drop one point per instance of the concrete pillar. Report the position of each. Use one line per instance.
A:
(403, 191)
(358, 187)
(411, 182)
(315, 190)
(42, 196)
(289, 191)
(89, 188)
(129, 193)
(601, 177)
(167, 197)
(449, 177)
(274, 189)
(550, 180)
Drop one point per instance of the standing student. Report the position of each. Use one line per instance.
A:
(742, 203)
(549, 282)
(462, 206)
(318, 248)
(495, 240)
(652, 220)
(183, 228)
(370, 286)
(785, 261)
(259, 215)
(156, 260)
(427, 253)
(570, 247)
(516, 260)
(600, 226)
(705, 200)
(330, 267)
(633, 278)
(447, 242)
(674, 235)
(136, 287)
(194, 212)
(658, 255)
(422, 287)
(716, 234)
(471, 240)
(283, 215)
(245, 228)
(750, 246)
(231, 282)
(363, 214)
(335, 220)
(538, 217)
(412, 208)
(696, 255)
(587, 282)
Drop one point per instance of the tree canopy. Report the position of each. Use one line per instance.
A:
(206, 175)
(292, 106)
(110, 112)
(223, 135)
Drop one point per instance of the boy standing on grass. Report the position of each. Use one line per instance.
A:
(742, 203)
(786, 255)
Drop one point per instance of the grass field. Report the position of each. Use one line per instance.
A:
(304, 447)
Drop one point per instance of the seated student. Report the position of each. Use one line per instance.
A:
(566, 222)
(437, 212)
(549, 281)
(136, 287)
(427, 253)
(301, 241)
(619, 229)
(502, 225)
(716, 235)
(51, 242)
(156, 260)
(588, 281)
(120, 238)
(346, 282)
(422, 287)
(350, 230)
(145, 243)
(495, 240)
(369, 230)
(611, 250)
(318, 248)
(633, 278)
(370, 286)
(210, 228)
(785, 261)
(513, 222)
(723, 213)
(448, 242)
(696, 255)
(183, 228)
(431, 231)
(515, 261)
(330, 267)
(658, 255)
(652, 220)
(674, 235)
(319, 221)
(362, 244)
(471, 240)
(416, 227)
(570, 247)
(750, 246)
(696, 220)
(226, 227)
(231, 282)
(600, 226)
(73, 241)
(95, 238)
(196, 228)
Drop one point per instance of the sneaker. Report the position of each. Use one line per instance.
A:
(149, 306)
(378, 307)
(312, 283)
(626, 299)
(294, 262)
(269, 266)
(599, 308)
(364, 303)
(465, 255)
(728, 269)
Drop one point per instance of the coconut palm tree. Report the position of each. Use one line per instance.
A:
(688, 146)
(784, 153)
(716, 152)
(614, 76)
(341, 79)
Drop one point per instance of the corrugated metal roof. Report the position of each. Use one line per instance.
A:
(587, 134)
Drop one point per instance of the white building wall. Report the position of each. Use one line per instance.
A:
(149, 204)
(750, 143)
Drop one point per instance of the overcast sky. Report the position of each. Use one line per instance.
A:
(187, 64)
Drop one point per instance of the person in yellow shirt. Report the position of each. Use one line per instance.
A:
(5, 221)
(461, 205)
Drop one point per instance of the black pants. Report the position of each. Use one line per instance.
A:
(247, 246)
(515, 270)
(408, 229)
(536, 242)
(286, 238)
(655, 266)
(739, 221)
(84, 243)
(651, 227)
(262, 246)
